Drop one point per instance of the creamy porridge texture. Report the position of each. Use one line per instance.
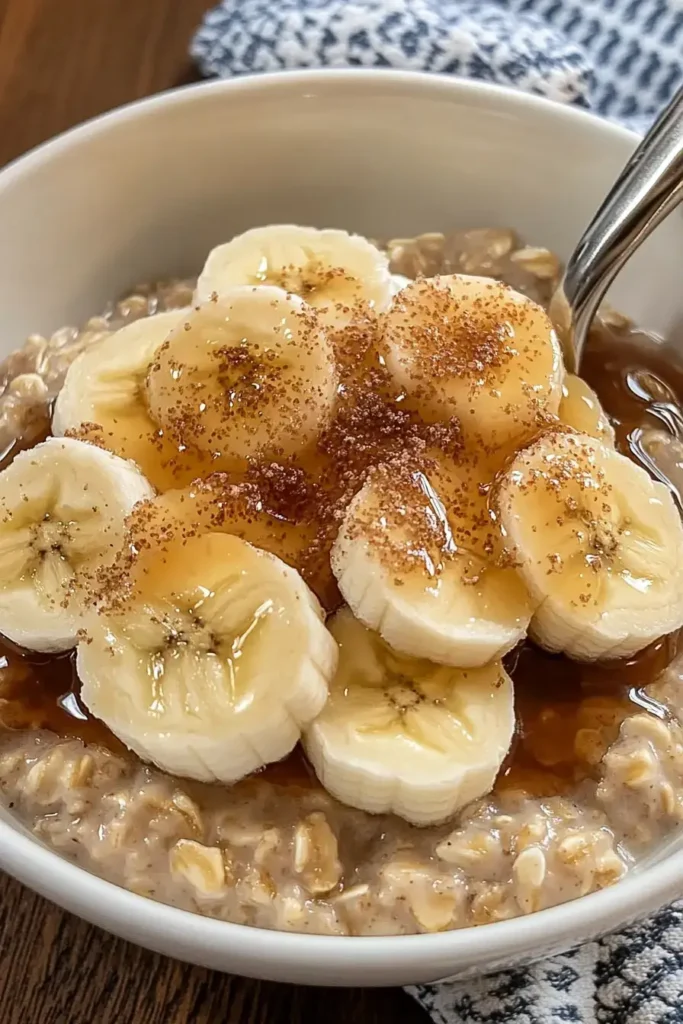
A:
(504, 774)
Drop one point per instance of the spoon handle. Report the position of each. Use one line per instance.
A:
(646, 191)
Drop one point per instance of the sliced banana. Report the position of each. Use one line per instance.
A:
(399, 282)
(598, 543)
(62, 511)
(580, 408)
(103, 399)
(251, 375)
(405, 736)
(219, 504)
(474, 348)
(419, 564)
(211, 662)
(332, 270)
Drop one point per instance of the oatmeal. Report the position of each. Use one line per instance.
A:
(452, 776)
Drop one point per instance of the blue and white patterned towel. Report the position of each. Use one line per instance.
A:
(624, 59)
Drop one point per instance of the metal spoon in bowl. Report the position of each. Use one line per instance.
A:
(646, 191)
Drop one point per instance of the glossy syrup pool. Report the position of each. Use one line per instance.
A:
(567, 712)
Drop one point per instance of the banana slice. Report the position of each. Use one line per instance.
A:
(418, 563)
(598, 543)
(405, 736)
(399, 282)
(472, 347)
(211, 661)
(580, 408)
(251, 375)
(103, 400)
(332, 270)
(221, 505)
(62, 511)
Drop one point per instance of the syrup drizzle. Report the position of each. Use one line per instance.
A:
(565, 709)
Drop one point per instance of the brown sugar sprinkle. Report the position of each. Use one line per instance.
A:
(219, 504)
(453, 338)
(243, 377)
(285, 490)
(201, 389)
(371, 429)
(304, 281)
(373, 432)
(376, 431)
(409, 526)
(571, 462)
(93, 433)
(356, 345)
(239, 382)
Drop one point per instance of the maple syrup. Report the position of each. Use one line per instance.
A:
(567, 712)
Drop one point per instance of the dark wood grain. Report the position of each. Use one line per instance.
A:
(62, 61)
(55, 969)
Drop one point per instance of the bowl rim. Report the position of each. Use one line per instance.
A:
(95, 898)
(485, 93)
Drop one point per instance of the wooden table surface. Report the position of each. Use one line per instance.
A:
(62, 61)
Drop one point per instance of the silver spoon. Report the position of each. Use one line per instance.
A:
(646, 191)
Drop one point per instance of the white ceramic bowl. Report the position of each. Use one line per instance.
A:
(145, 192)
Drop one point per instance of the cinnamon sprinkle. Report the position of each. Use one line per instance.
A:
(376, 433)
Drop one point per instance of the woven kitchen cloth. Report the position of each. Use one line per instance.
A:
(632, 977)
(623, 59)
